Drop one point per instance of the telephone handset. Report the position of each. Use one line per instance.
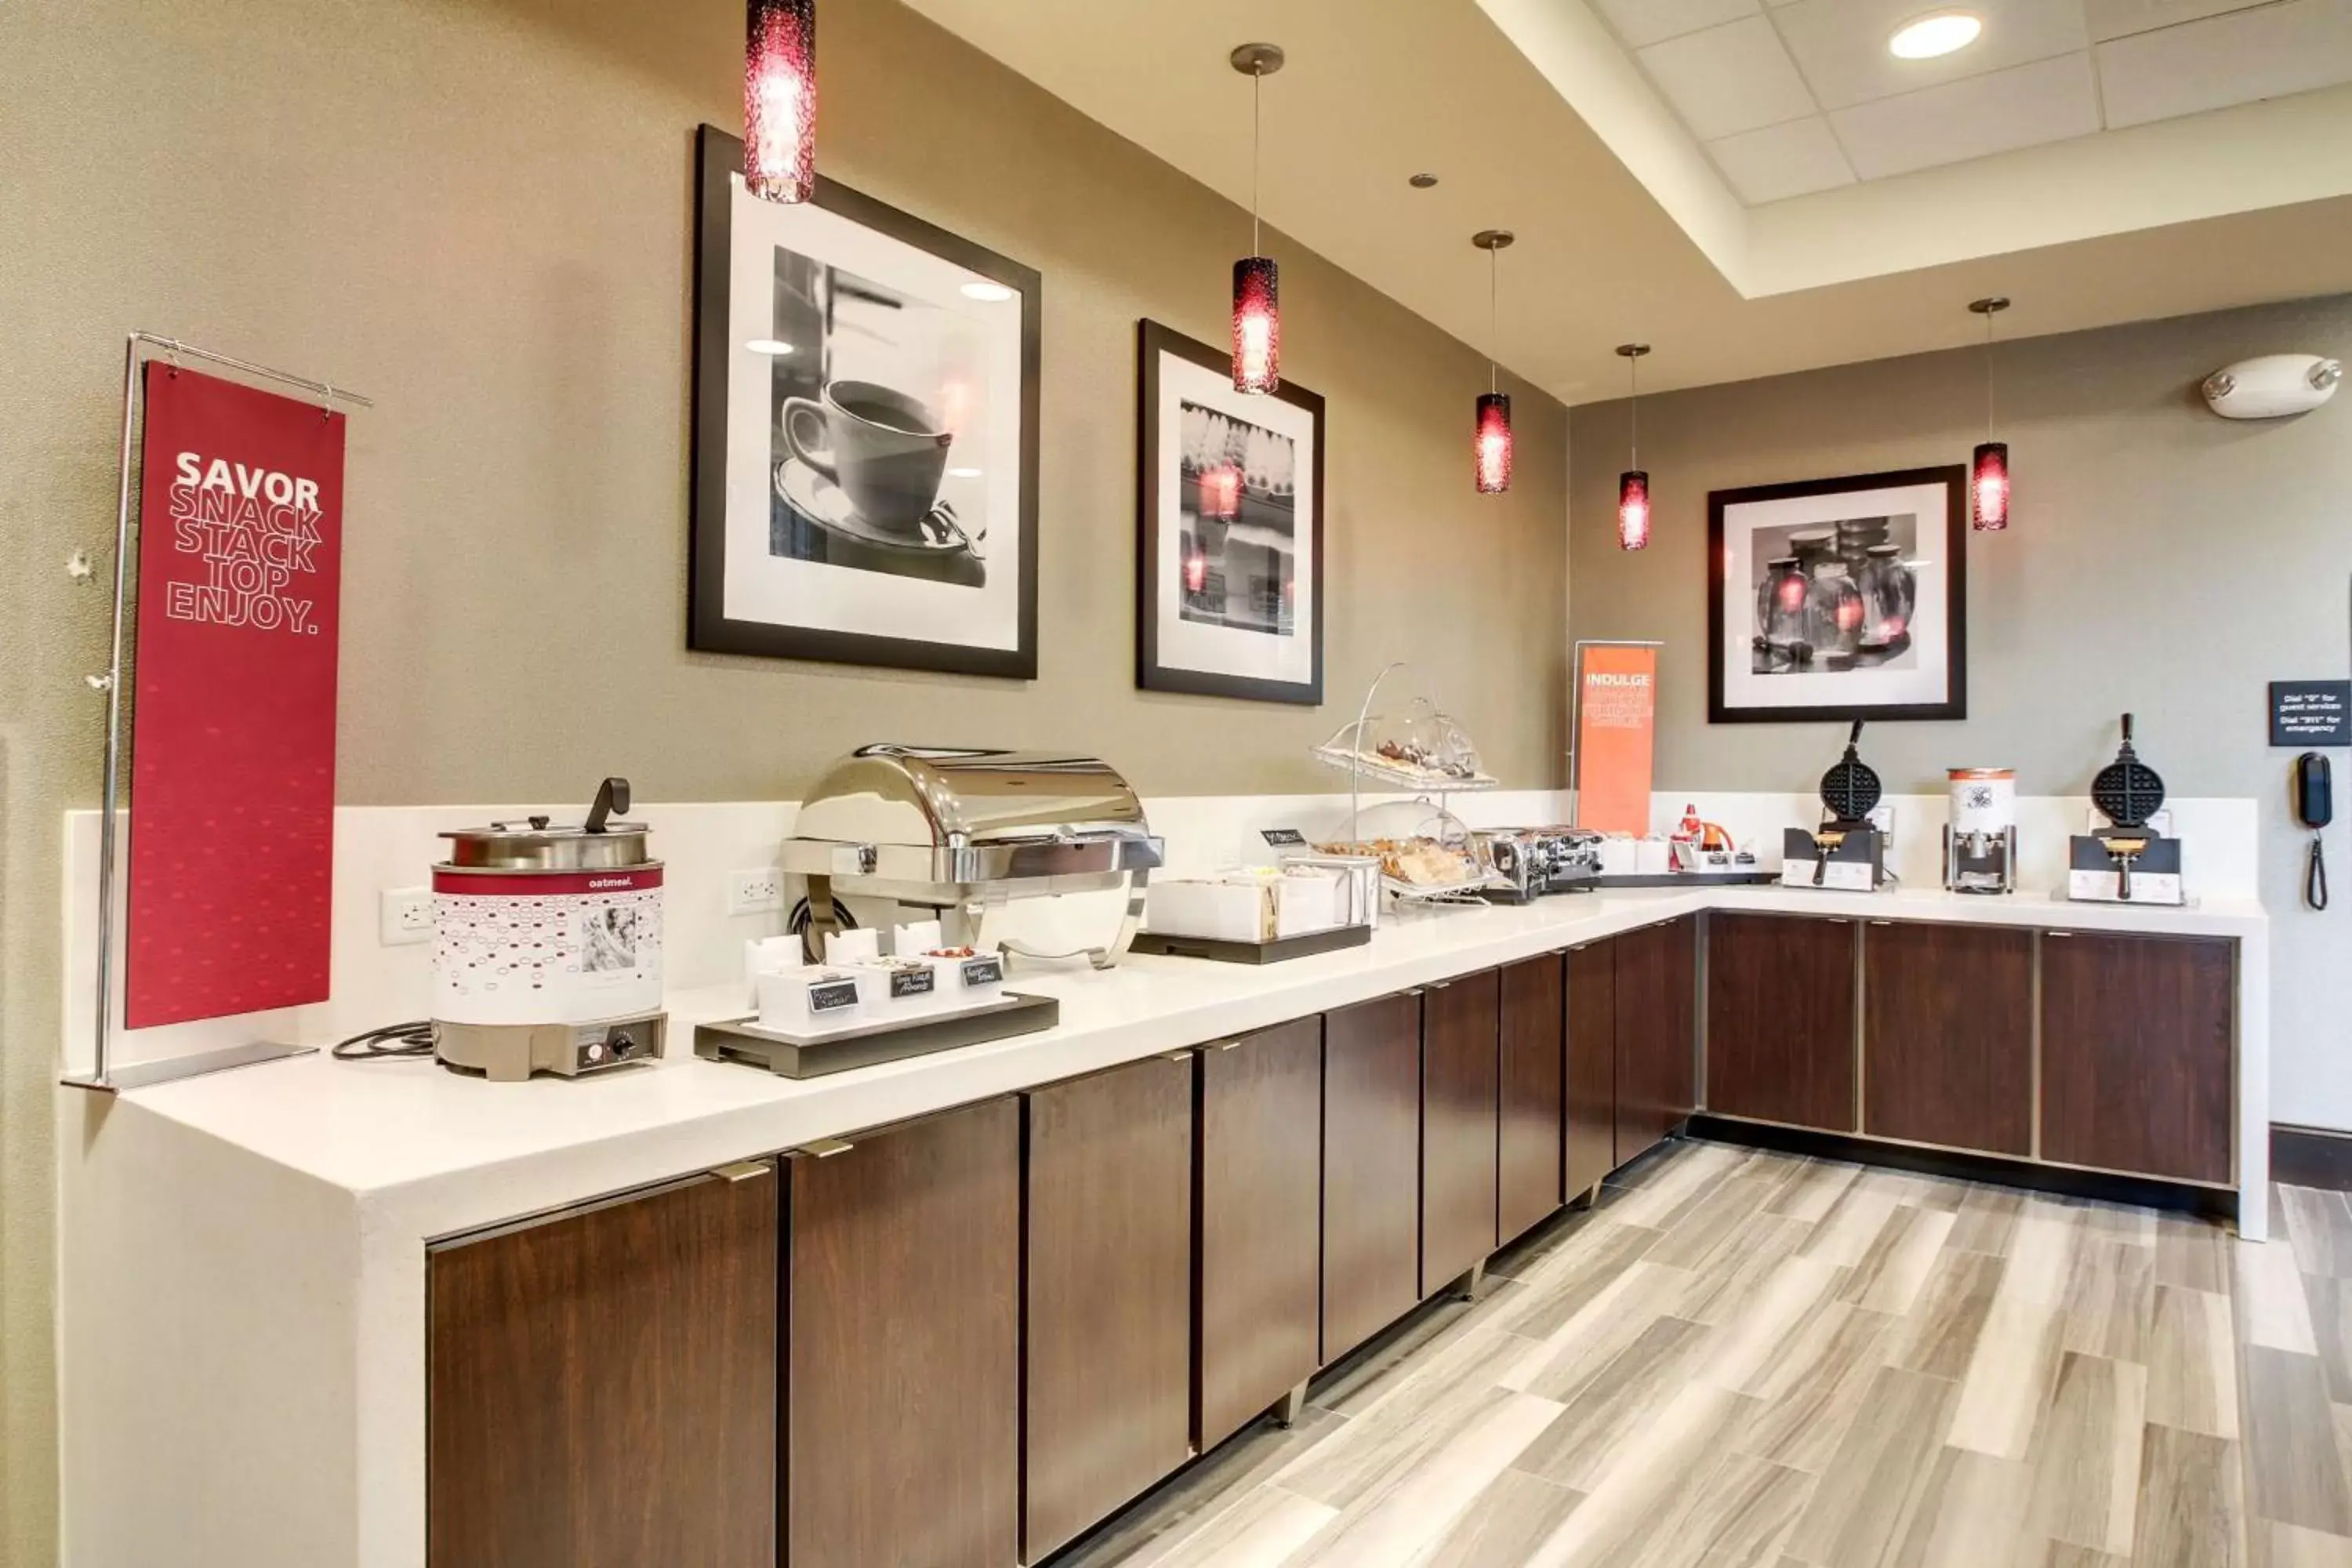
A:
(2315, 805)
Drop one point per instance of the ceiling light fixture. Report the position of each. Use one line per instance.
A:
(1257, 281)
(1941, 32)
(1988, 473)
(1633, 484)
(1422, 182)
(1493, 446)
(780, 99)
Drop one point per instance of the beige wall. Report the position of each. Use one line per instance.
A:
(478, 214)
(2158, 559)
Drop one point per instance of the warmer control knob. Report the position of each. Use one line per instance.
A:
(624, 1045)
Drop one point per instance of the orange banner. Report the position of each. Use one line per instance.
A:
(1617, 694)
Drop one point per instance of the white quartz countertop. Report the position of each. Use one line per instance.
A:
(452, 1152)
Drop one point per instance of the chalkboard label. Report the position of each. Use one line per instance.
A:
(1281, 837)
(906, 983)
(830, 995)
(2311, 713)
(977, 972)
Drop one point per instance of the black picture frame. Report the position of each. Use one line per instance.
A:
(719, 155)
(1153, 343)
(1954, 478)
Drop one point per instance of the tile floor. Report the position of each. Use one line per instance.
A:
(1746, 1358)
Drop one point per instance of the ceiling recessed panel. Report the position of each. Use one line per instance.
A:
(1727, 80)
(2270, 51)
(1840, 45)
(2117, 18)
(1782, 160)
(1641, 23)
(2024, 106)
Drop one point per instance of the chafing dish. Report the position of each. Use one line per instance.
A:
(965, 832)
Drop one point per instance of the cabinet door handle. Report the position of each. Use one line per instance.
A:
(1184, 1055)
(1415, 990)
(1441, 984)
(822, 1149)
(2057, 933)
(1882, 922)
(742, 1171)
(1229, 1045)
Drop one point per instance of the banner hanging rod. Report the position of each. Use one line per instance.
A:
(174, 348)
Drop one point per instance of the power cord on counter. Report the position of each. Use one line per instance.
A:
(393, 1042)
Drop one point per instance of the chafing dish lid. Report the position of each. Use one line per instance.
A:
(928, 797)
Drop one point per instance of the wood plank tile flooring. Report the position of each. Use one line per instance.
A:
(1737, 1359)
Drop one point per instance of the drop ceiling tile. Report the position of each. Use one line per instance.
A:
(2115, 18)
(1641, 23)
(1730, 79)
(1841, 44)
(2269, 51)
(1782, 160)
(2049, 100)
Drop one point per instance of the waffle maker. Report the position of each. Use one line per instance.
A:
(2126, 862)
(1847, 851)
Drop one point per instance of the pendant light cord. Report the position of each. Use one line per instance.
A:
(1257, 143)
(1989, 418)
(1633, 411)
(1494, 316)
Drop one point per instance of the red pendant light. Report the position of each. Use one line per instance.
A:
(1494, 447)
(780, 99)
(1633, 484)
(1493, 450)
(1257, 281)
(1988, 473)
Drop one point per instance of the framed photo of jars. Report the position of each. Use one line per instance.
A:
(1839, 599)
(1229, 507)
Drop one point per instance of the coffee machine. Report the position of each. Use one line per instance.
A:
(1980, 839)
(1847, 851)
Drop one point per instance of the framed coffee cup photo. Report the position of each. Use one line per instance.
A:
(1229, 552)
(864, 469)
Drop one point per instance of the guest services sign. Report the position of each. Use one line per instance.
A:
(233, 731)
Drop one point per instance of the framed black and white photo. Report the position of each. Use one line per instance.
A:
(1839, 599)
(864, 477)
(1229, 550)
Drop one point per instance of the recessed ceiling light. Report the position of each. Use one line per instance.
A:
(992, 294)
(768, 346)
(1925, 37)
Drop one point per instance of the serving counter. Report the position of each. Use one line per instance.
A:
(250, 1291)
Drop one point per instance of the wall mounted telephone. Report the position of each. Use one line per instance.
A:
(2314, 806)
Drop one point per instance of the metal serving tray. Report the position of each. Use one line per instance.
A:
(814, 1055)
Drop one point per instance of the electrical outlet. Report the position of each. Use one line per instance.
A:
(755, 891)
(404, 915)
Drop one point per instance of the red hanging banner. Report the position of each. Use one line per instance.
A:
(233, 729)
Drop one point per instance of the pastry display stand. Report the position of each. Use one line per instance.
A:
(1433, 755)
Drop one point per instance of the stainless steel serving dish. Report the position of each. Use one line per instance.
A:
(965, 832)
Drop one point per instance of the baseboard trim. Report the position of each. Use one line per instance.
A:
(2059, 1180)
(2311, 1157)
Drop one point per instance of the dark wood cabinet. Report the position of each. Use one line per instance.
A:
(1655, 1048)
(602, 1384)
(901, 1411)
(1108, 1326)
(1461, 1063)
(1592, 1065)
(1372, 1169)
(1534, 1095)
(2137, 1054)
(1780, 1019)
(1948, 1036)
(1260, 1218)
